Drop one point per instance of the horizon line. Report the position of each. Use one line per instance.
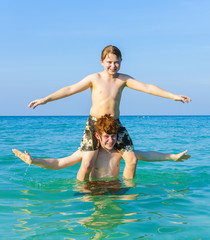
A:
(136, 115)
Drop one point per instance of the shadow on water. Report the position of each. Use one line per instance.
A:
(82, 211)
(100, 188)
(107, 198)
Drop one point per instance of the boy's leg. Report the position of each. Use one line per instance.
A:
(89, 148)
(130, 164)
(124, 144)
(88, 160)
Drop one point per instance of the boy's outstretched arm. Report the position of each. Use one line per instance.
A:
(154, 90)
(63, 92)
(151, 156)
(50, 163)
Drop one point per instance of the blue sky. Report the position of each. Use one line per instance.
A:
(46, 45)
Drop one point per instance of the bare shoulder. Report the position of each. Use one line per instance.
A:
(124, 77)
(90, 76)
(89, 79)
(94, 76)
(118, 155)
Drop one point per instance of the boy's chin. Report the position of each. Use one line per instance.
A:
(109, 147)
(112, 72)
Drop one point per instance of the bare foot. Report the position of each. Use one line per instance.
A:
(179, 157)
(23, 156)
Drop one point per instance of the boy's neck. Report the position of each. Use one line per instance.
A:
(105, 150)
(109, 76)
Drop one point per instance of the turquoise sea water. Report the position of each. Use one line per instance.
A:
(167, 200)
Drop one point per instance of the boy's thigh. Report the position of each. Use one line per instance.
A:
(89, 141)
(124, 141)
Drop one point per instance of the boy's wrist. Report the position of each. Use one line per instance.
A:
(174, 97)
(46, 99)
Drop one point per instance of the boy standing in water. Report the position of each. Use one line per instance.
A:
(107, 164)
(106, 90)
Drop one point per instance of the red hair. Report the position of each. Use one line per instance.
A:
(107, 124)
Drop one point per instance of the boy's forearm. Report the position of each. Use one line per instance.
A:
(149, 88)
(48, 163)
(56, 164)
(152, 156)
(62, 93)
(70, 90)
(154, 90)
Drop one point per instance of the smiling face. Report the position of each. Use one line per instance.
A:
(106, 128)
(107, 141)
(111, 64)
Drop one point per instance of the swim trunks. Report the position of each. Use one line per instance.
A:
(90, 143)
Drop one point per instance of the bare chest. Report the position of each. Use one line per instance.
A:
(108, 162)
(104, 88)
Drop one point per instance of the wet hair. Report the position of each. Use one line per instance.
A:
(111, 49)
(107, 124)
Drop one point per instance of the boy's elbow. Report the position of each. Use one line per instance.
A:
(68, 90)
(138, 155)
(57, 167)
(132, 162)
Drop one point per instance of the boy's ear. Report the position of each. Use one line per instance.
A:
(97, 135)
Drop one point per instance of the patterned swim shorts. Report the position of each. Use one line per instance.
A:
(90, 143)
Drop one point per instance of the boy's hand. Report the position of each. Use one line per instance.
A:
(181, 156)
(26, 157)
(182, 98)
(37, 102)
